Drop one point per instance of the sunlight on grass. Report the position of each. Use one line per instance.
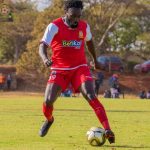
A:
(21, 118)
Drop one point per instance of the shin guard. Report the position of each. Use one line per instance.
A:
(100, 112)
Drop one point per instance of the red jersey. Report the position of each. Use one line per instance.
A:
(67, 45)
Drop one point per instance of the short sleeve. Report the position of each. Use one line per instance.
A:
(49, 34)
(88, 33)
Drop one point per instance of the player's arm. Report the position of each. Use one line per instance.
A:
(48, 36)
(91, 48)
(43, 54)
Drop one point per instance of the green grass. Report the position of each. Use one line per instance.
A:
(21, 117)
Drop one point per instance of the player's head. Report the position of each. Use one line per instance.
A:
(73, 11)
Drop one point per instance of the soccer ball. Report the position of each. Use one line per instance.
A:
(96, 136)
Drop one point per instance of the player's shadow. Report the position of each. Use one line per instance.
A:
(114, 147)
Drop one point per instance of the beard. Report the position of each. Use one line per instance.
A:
(72, 25)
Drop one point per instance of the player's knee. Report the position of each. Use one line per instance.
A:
(90, 96)
(49, 102)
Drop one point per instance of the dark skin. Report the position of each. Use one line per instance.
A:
(72, 16)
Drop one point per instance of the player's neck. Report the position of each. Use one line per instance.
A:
(66, 23)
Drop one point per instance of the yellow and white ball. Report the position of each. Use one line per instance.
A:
(96, 136)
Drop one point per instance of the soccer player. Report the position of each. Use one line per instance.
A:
(67, 36)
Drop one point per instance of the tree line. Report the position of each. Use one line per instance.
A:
(118, 26)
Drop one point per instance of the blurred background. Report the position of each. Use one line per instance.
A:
(120, 28)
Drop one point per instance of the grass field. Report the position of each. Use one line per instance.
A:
(21, 118)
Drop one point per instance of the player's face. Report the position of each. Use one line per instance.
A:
(73, 16)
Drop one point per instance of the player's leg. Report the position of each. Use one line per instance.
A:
(51, 93)
(83, 82)
(87, 91)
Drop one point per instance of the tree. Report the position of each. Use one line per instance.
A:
(124, 36)
(143, 46)
(17, 33)
(102, 16)
(30, 62)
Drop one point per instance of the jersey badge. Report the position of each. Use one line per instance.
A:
(80, 34)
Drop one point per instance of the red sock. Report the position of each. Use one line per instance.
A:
(100, 112)
(47, 111)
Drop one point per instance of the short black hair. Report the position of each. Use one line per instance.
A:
(73, 4)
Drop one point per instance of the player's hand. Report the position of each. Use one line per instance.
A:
(48, 62)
